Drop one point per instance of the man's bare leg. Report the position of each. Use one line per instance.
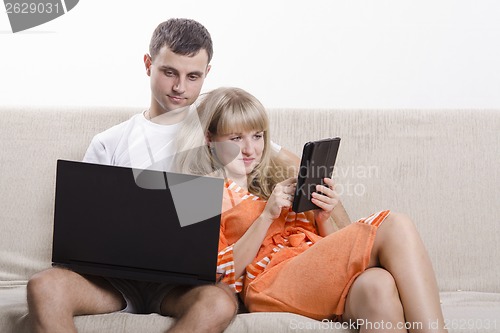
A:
(200, 309)
(56, 295)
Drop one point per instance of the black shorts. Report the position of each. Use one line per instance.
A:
(142, 297)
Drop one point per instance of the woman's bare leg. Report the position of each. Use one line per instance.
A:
(373, 303)
(399, 249)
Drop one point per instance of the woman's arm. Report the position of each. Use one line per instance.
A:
(246, 248)
(338, 220)
(340, 216)
(331, 216)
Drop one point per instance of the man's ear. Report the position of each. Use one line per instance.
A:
(147, 63)
(208, 69)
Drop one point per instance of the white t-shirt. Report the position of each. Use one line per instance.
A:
(137, 143)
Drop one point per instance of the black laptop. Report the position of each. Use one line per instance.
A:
(136, 224)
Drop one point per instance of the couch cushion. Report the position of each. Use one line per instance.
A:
(465, 312)
(471, 312)
(13, 309)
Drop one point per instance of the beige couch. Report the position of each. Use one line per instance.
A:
(438, 166)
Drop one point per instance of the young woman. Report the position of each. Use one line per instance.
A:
(301, 263)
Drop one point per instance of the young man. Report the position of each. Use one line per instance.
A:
(177, 64)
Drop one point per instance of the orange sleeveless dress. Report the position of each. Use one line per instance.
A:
(295, 270)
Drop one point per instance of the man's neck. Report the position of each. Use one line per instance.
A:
(167, 117)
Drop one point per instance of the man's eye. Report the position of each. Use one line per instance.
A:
(169, 73)
(193, 77)
(235, 138)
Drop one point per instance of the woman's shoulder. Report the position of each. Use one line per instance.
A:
(234, 195)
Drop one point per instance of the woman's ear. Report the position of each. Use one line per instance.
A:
(208, 138)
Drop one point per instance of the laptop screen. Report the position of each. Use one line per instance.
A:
(109, 221)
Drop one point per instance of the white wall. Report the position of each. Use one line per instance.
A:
(289, 53)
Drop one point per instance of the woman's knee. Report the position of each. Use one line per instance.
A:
(374, 293)
(400, 222)
(397, 231)
(377, 284)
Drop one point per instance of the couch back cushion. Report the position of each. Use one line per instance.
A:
(438, 166)
(31, 140)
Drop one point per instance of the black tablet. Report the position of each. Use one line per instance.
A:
(318, 160)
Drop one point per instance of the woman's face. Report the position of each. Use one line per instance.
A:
(240, 153)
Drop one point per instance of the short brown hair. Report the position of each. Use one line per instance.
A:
(181, 36)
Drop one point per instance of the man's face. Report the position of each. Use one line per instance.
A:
(176, 80)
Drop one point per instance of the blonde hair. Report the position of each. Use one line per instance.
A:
(224, 111)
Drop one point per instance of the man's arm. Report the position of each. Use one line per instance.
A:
(96, 153)
(289, 158)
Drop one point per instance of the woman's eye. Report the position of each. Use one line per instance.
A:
(258, 135)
